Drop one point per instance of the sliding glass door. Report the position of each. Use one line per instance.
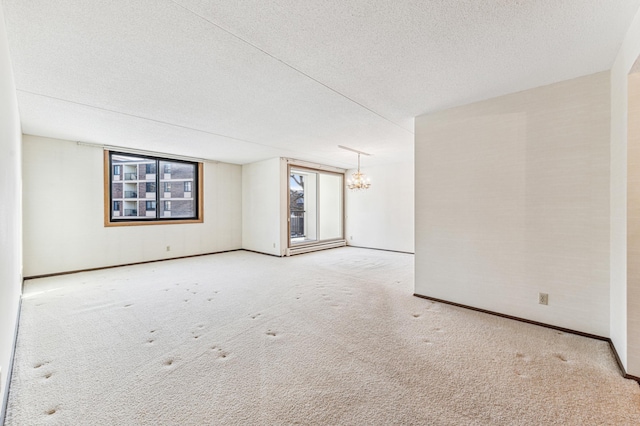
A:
(316, 207)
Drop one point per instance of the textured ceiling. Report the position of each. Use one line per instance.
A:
(245, 80)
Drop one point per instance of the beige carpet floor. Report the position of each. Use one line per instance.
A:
(333, 337)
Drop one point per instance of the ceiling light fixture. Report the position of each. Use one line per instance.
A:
(358, 180)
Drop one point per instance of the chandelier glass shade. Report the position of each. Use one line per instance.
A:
(358, 179)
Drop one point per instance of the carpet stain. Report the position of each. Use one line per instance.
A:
(219, 353)
(271, 333)
(168, 362)
(48, 375)
(40, 364)
(255, 316)
(416, 315)
(561, 357)
(150, 341)
(130, 304)
(51, 411)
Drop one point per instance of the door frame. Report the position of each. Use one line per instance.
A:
(293, 165)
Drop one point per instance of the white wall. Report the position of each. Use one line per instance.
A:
(382, 216)
(633, 223)
(512, 199)
(10, 211)
(64, 219)
(261, 204)
(625, 312)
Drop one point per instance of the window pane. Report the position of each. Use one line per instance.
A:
(124, 189)
(179, 187)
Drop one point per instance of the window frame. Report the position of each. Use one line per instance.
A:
(142, 221)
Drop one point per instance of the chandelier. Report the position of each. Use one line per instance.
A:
(358, 180)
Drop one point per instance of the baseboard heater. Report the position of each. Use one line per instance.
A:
(315, 247)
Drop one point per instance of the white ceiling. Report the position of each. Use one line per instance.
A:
(245, 80)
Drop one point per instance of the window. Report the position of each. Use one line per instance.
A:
(126, 198)
(187, 186)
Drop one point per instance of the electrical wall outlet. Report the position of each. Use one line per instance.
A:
(543, 298)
